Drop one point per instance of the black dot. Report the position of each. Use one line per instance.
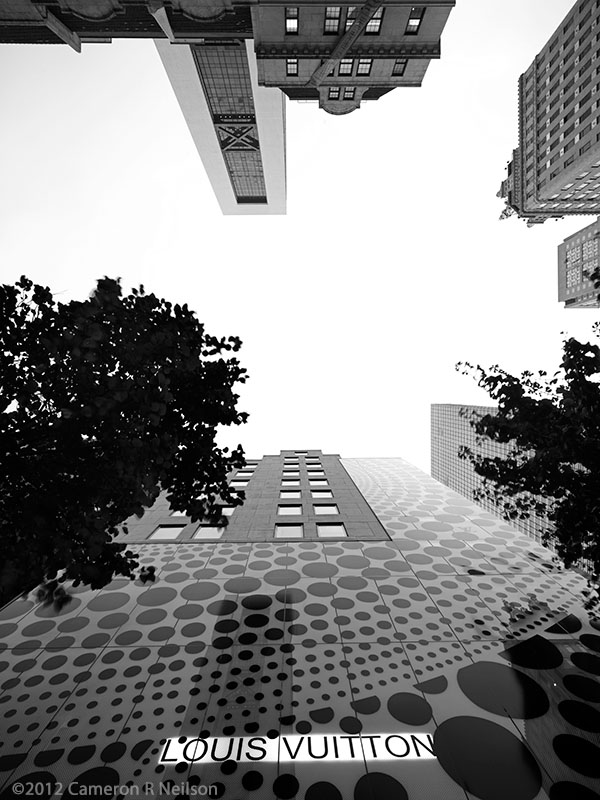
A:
(585, 688)
(504, 767)
(285, 787)
(587, 662)
(581, 715)
(577, 753)
(514, 694)
(252, 780)
(411, 709)
(378, 785)
(323, 791)
(566, 790)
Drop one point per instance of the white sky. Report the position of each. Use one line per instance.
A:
(390, 266)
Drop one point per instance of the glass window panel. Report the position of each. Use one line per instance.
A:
(321, 494)
(330, 509)
(208, 532)
(289, 531)
(167, 532)
(289, 511)
(286, 483)
(318, 483)
(331, 531)
(290, 495)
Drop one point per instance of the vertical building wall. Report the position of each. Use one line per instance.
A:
(449, 432)
(434, 651)
(578, 257)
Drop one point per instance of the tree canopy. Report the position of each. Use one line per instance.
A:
(550, 426)
(104, 404)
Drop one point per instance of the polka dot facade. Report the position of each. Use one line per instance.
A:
(457, 627)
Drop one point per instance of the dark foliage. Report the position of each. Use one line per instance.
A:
(550, 426)
(103, 404)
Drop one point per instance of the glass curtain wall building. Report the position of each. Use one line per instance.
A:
(357, 631)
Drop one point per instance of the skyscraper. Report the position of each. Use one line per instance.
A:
(451, 430)
(555, 170)
(577, 260)
(229, 64)
(358, 631)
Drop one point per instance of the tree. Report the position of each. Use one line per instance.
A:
(104, 404)
(551, 427)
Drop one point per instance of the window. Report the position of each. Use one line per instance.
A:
(414, 20)
(374, 24)
(238, 484)
(290, 474)
(167, 532)
(318, 473)
(286, 484)
(331, 509)
(350, 17)
(346, 67)
(289, 531)
(208, 532)
(348, 95)
(291, 20)
(177, 514)
(289, 511)
(364, 66)
(292, 495)
(399, 66)
(334, 531)
(332, 19)
(334, 93)
(291, 66)
(321, 494)
(227, 511)
(318, 483)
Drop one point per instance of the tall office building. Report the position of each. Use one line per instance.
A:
(577, 259)
(231, 65)
(358, 631)
(555, 170)
(451, 430)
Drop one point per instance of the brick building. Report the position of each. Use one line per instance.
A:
(555, 170)
(577, 259)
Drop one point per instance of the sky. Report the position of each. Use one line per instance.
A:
(390, 266)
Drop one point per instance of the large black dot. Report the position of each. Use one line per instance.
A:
(534, 653)
(95, 778)
(257, 602)
(566, 790)
(577, 753)
(323, 791)
(587, 662)
(591, 641)
(486, 759)
(285, 786)
(581, 715)
(378, 785)
(503, 690)
(585, 688)
(411, 709)
(252, 780)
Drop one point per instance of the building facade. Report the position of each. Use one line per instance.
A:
(451, 430)
(232, 64)
(555, 170)
(578, 257)
(358, 631)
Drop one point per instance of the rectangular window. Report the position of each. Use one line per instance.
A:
(227, 511)
(291, 495)
(364, 66)
(414, 20)
(289, 511)
(291, 66)
(346, 67)
(291, 20)
(399, 66)
(321, 494)
(348, 95)
(238, 484)
(334, 93)
(286, 484)
(350, 17)
(167, 532)
(318, 483)
(208, 532)
(374, 24)
(332, 20)
(330, 509)
(289, 531)
(332, 531)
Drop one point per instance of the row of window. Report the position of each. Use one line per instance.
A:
(296, 511)
(332, 530)
(346, 67)
(333, 20)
